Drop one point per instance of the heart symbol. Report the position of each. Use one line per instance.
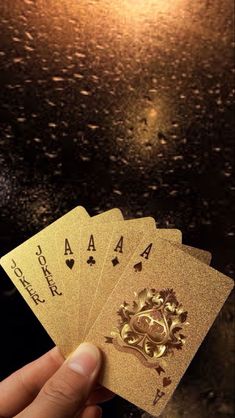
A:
(138, 267)
(70, 263)
(166, 381)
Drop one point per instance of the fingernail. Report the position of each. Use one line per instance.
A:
(84, 359)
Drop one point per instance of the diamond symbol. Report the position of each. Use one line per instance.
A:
(115, 261)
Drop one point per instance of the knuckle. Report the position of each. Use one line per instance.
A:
(60, 392)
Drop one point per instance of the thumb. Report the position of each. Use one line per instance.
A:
(66, 392)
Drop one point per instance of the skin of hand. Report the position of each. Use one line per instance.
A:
(50, 387)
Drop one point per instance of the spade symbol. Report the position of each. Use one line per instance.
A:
(70, 263)
(138, 267)
(91, 261)
(166, 381)
(115, 261)
(160, 370)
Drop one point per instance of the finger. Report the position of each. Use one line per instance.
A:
(90, 412)
(67, 390)
(100, 395)
(23, 386)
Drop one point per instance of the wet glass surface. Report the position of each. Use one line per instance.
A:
(128, 104)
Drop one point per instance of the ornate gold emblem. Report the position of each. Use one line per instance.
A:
(151, 328)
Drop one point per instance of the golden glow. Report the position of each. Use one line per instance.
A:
(139, 10)
(133, 55)
(144, 119)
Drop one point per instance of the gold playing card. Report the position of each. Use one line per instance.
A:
(68, 268)
(124, 240)
(144, 298)
(32, 267)
(154, 321)
(94, 243)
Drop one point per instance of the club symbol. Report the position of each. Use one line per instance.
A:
(166, 381)
(138, 267)
(115, 261)
(91, 261)
(70, 263)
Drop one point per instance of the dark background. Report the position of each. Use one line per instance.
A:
(120, 104)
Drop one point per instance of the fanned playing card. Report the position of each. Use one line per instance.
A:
(122, 245)
(201, 255)
(154, 321)
(94, 244)
(124, 240)
(136, 291)
(67, 239)
(32, 267)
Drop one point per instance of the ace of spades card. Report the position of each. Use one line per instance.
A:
(124, 240)
(154, 321)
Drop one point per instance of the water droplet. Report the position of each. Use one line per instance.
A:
(28, 35)
(93, 127)
(28, 48)
(57, 79)
(118, 192)
(79, 76)
(17, 60)
(85, 92)
(79, 55)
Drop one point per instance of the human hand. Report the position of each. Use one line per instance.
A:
(53, 388)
